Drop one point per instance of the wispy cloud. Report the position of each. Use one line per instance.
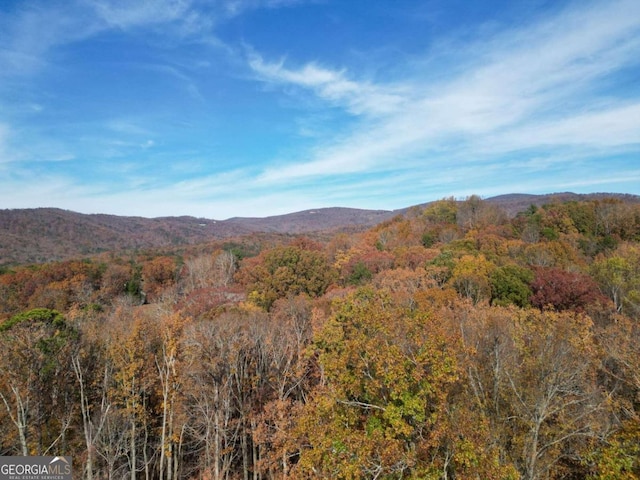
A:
(488, 111)
(30, 33)
(237, 7)
(519, 89)
(608, 126)
(360, 98)
(14, 150)
(185, 80)
(214, 196)
(128, 126)
(125, 14)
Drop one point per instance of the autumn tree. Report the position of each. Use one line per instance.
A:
(209, 271)
(618, 455)
(130, 355)
(441, 212)
(209, 398)
(471, 277)
(226, 387)
(474, 213)
(535, 375)
(362, 262)
(609, 216)
(563, 290)
(413, 257)
(403, 284)
(618, 276)
(170, 362)
(383, 409)
(288, 380)
(157, 275)
(57, 286)
(36, 386)
(401, 231)
(114, 281)
(198, 272)
(287, 270)
(93, 381)
(225, 266)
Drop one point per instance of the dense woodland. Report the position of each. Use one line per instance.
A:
(452, 342)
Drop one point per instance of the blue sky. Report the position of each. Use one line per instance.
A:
(229, 108)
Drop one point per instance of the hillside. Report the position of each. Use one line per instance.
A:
(451, 332)
(49, 234)
(518, 202)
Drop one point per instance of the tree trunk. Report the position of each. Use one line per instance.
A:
(255, 452)
(245, 454)
(132, 449)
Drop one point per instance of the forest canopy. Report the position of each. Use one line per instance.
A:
(453, 341)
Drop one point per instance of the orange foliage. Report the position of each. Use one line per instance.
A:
(375, 354)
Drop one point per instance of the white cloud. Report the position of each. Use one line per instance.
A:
(31, 32)
(124, 14)
(549, 86)
(358, 97)
(127, 126)
(216, 196)
(35, 29)
(186, 81)
(236, 7)
(616, 126)
(522, 88)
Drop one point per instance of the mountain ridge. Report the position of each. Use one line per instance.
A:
(39, 235)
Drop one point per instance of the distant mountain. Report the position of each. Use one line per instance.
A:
(518, 202)
(321, 219)
(49, 234)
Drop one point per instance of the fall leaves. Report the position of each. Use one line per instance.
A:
(451, 342)
(383, 407)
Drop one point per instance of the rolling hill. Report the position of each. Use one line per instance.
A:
(49, 234)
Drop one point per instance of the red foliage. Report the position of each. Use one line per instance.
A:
(158, 274)
(206, 303)
(564, 290)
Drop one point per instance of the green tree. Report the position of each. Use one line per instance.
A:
(360, 274)
(620, 457)
(510, 285)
